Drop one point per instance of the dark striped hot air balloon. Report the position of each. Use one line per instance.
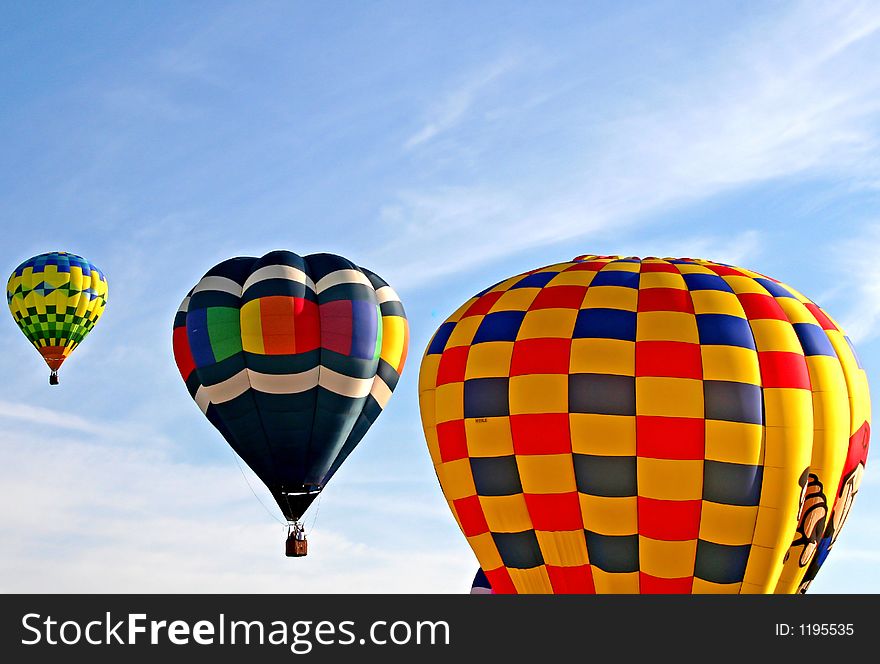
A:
(626, 425)
(291, 358)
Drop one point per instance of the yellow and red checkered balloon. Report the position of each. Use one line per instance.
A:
(626, 425)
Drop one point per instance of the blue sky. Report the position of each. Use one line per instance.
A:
(443, 145)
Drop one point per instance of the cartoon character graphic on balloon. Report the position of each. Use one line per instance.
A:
(816, 534)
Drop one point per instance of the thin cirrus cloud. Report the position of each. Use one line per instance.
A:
(132, 519)
(793, 96)
(455, 106)
(48, 418)
(859, 269)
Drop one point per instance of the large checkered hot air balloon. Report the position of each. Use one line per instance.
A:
(56, 298)
(624, 425)
(292, 359)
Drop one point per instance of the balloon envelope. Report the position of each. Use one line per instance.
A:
(55, 299)
(651, 425)
(481, 585)
(292, 359)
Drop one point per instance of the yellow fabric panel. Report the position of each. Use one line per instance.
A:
(456, 479)
(59, 299)
(778, 513)
(665, 559)
(701, 587)
(773, 490)
(548, 323)
(458, 313)
(546, 473)
(395, 331)
(800, 296)
(667, 326)
(464, 331)
(830, 418)
(34, 299)
(788, 406)
(611, 297)
(449, 402)
(428, 372)
(689, 268)
(661, 280)
(621, 267)
(431, 436)
(489, 359)
(792, 572)
(485, 550)
(795, 311)
(716, 302)
(95, 307)
(669, 397)
(856, 382)
(826, 374)
(610, 515)
(727, 524)
(730, 363)
(533, 581)
(573, 278)
(606, 435)
(539, 393)
(775, 335)
(762, 570)
(606, 356)
(556, 267)
(506, 284)
(251, 328)
(74, 301)
(830, 415)
(506, 514)
(566, 548)
(51, 275)
(518, 299)
(75, 278)
(488, 437)
(780, 444)
(617, 583)
(743, 285)
(670, 479)
(735, 442)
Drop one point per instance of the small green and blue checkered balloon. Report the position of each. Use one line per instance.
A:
(56, 298)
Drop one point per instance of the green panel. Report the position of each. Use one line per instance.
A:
(224, 331)
(379, 331)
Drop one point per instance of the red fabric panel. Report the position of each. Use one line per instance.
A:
(670, 437)
(182, 355)
(336, 326)
(540, 356)
(543, 433)
(554, 511)
(669, 519)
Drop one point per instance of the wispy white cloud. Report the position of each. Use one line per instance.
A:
(87, 517)
(793, 95)
(859, 268)
(455, 105)
(52, 419)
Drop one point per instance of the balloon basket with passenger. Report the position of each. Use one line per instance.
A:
(296, 546)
